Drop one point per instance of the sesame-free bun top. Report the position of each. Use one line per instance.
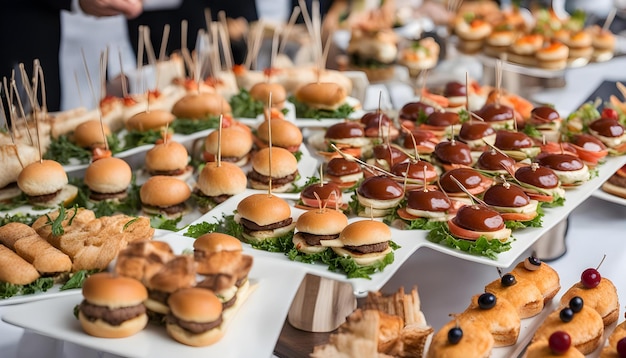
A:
(284, 134)
(166, 156)
(261, 92)
(108, 175)
(195, 305)
(147, 120)
(217, 242)
(264, 209)
(42, 177)
(226, 179)
(365, 232)
(283, 162)
(201, 106)
(164, 191)
(89, 134)
(322, 222)
(108, 290)
(321, 95)
(235, 142)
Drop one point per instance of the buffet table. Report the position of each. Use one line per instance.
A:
(446, 283)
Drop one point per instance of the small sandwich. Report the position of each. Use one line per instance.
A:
(545, 277)
(541, 184)
(108, 179)
(432, 205)
(616, 184)
(284, 135)
(497, 314)
(264, 217)
(343, 172)
(318, 195)
(155, 119)
(365, 241)
(195, 318)
(319, 229)
(169, 158)
(373, 52)
(261, 92)
(322, 100)
(378, 196)
(461, 340)
(222, 267)
(12, 157)
(473, 221)
(201, 106)
(511, 202)
(176, 274)
(523, 294)
(236, 145)
(45, 183)
(112, 306)
(611, 132)
(89, 134)
(143, 259)
(218, 183)
(283, 171)
(570, 169)
(163, 195)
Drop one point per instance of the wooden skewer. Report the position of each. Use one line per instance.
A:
(609, 19)
(226, 45)
(164, 40)
(467, 101)
(290, 24)
(274, 53)
(219, 141)
(370, 167)
(103, 65)
(269, 144)
(471, 196)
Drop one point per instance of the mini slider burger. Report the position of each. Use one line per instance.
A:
(418, 172)
(343, 172)
(284, 135)
(283, 171)
(318, 229)
(322, 97)
(108, 179)
(324, 194)
(547, 121)
(218, 183)
(477, 134)
(611, 133)
(540, 183)
(112, 306)
(365, 241)
(264, 217)
(89, 134)
(222, 266)
(45, 183)
(195, 318)
(414, 113)
(589, 148)
(347, 136)
(163, 195)
(421, 140)
(517, 145)
(169, 159)
(387, 155)
(144, 121)
(433, 205)
(452, 154)
(473, 221)
(378, 196)
(471, 179)
(177, 273)
(261, 93)
(499, 116)
(201, 106)
(236, 145)
(493, 162)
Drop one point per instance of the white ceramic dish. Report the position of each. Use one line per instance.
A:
(603, 195)
(257, 324)
(412, 240)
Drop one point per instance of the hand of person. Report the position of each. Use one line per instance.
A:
(129, 8)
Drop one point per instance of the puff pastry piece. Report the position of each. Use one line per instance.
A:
(585, 328)
(610, 351)
(543, 276)
(602, 298)
(477, 342)
(523, 295)
(501, 320)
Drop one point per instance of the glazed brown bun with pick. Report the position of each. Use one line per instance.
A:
(45, 183)
(477, 134)
(264, 217)
(430, 204)
(378, 196)
(474, 221)
(611, 133)
(319, 229)
(570, 169)
(343, 172)
(473, 181)
(195, 318)
(365, 241)
(112, 306)
(511, 202)
(540, 183)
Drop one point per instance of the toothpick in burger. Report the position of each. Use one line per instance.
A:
(45, 183)
(236, 145)
(155, 119)
(201, 106)
(284, 135)
(112, 306)
(218, 183)
(283, 171)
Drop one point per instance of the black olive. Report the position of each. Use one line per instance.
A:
(576, 304)
(508, 280)
(486, 301)
(566, 314)
(454, 335)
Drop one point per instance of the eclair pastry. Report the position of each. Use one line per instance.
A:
(476, 342)
(602, 298)
(541, 274)
(501, 320)
(523, 295)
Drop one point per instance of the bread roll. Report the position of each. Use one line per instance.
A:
(14, 269)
